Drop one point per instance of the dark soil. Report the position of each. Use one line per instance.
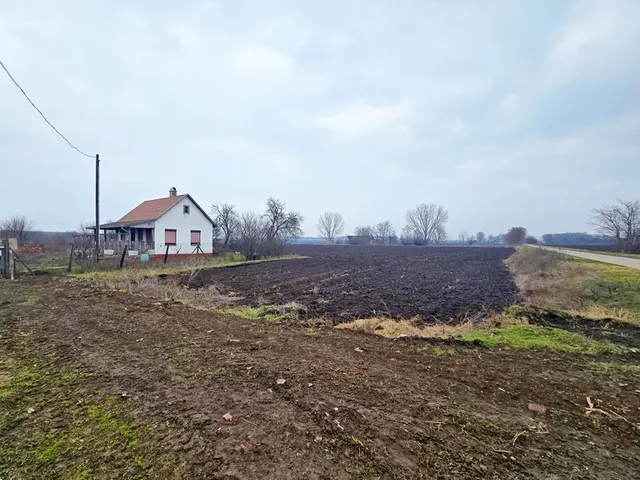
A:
(347, 282)
(123, 386)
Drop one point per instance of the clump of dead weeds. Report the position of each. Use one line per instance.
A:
(390, 328)
(169, 290)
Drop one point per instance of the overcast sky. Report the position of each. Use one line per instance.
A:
(506, 112)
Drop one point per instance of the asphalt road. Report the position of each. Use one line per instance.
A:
(623, 261)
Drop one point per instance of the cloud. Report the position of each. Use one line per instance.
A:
(361, 118)
(446, 102)
(260, 59)
(599, 39)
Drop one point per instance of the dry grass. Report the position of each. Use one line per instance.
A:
(598, 312)
(390, 328)
(168, 290)
(599, 291)
(547, 280)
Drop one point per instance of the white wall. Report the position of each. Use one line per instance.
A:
(183, 223)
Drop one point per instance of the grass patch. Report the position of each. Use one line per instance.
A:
(112, 425)
(612, 367)
(271, 313)
(519, 335)
(441, 352)
(609, 254)
(13, 386)
(612, 287)
(596, 290)
(49, 451)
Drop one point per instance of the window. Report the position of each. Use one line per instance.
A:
(195, 237)
(170, 237)
(185, 209)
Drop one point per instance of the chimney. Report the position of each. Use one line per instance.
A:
(173, 192)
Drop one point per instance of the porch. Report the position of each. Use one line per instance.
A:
(139, 239)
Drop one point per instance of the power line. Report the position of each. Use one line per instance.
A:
(42, 114)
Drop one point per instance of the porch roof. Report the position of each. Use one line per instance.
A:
(120, 225)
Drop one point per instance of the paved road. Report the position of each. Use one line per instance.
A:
(623, 261)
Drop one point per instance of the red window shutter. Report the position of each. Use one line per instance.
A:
(195, 237)
(170, 237)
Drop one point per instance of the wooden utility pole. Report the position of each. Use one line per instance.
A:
(97, 208)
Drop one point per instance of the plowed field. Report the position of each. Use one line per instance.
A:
(347, 282)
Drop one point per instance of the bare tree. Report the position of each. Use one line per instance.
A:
(466, 237)
(250, 234)
(330, 225)
(480, 237)
(440, 234)
(17, 226)
(629, 214)
(407, 236)
(365, 231)
(428, 222)
(281, 225)
(620, 221)
(383, 232)
(607, 222)
(515, 236)
(226, 220)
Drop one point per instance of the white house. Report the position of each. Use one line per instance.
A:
(176, 221)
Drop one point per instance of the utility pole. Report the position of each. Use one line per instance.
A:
(97, 208)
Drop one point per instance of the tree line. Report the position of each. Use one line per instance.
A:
(256, 234)
(266, 233)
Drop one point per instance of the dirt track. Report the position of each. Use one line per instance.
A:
(395, 410)
(346, 282)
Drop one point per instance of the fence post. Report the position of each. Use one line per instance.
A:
(5, 258)
(73, 246)
(166, 254)
(124, 253)
(12, 265)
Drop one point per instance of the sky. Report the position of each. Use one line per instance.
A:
(507, 113)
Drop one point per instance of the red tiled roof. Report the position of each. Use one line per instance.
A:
(149, 210)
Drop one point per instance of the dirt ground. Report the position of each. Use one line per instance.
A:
(103, 384)
(347, 282)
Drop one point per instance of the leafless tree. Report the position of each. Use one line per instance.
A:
(16, 226)
(86, 228)
(515, 236)
(466, 237)
(607, 222)
(330, 225)
(428, 222)
(250, 234)
(629, 214)
(365, 231)
(407, 237)
(440, 234)
(383, 232)
(281, 225)
(620, 221)
(226, 220)
(480, 237)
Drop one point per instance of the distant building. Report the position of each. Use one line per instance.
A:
(360, 239)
